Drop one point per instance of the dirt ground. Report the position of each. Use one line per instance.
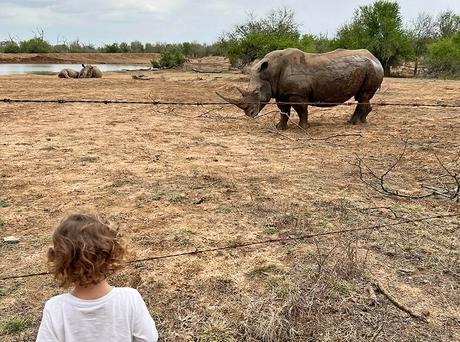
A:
(180, 178)
(64, 58)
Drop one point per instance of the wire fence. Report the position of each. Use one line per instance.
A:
(212, 103)
(253, 243)
(298, 238)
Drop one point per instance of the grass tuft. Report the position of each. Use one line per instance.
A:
(14, 326)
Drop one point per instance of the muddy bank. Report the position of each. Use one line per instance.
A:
(70, 58)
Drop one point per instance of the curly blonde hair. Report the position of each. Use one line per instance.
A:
(85, 251)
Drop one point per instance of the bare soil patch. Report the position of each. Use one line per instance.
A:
(180, 178)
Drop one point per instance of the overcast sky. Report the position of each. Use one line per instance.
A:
(103, 21)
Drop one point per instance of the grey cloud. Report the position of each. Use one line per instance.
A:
(176, 20)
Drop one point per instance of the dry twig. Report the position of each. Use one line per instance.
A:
(447, 191)
(400, 306)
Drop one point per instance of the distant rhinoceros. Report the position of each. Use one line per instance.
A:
(322, 80)
(68, 73)
(89, 71)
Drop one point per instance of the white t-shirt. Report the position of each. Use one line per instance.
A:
(119, 316)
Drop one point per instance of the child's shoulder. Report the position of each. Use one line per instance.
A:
(128, 291)
(55, 301)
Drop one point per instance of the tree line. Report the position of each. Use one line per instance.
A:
(432, 41)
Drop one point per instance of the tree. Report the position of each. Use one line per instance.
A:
(422, 32)
(111, 48)
(444, 56)
(259, 36)
(448, 23)
(378, 28)
(9, 47)
(124, 47)
(35, 45)
(170, 58)
(137, 46)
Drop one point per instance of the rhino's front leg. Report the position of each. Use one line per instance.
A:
(285, 113)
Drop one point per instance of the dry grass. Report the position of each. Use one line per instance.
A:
(176, 180)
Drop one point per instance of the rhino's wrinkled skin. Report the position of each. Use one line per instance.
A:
(68, 73)
(89, 71)
(323, 80)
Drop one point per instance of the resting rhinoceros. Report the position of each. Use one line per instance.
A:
(89, 71)
(68, 73)
(322, 80)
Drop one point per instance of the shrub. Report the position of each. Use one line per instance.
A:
(111, 48)
(35, 45)
(444, 57)
(259, 36)
(170, 58)
(379, 28)
(136, 46)
(9, 47)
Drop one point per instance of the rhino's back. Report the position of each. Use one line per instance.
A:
(327, 77)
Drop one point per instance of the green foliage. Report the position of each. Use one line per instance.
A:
(111, 48)
(136, 46)
(378, 28)
(444, 56)
(4, 203)
(124, 47)
(149, 47)
(9, 47)
(170, 58)
(35, 45)
(259, 36)
(14, 326)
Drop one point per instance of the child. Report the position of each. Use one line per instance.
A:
(84, 253)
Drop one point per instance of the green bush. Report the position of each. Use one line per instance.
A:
(444, 57)
(35, 45)
(111, 48)
(379, 28)
(9, 47)
(170, 58)
(259, 36)
(136, 46)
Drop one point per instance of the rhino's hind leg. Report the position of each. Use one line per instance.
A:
(363, 108)
(302, 111)
(364, 112)
(360, 113)
(285, 113)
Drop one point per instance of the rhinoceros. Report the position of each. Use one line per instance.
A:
(68, 73)
(295, 79)
(89, 71)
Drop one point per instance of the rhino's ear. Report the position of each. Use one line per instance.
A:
(264, 66)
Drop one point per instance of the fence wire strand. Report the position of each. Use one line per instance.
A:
(173, 103)
(258, 243)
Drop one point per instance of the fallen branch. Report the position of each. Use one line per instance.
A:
(207, 72)
(208, 111)
(378, 182)
(143, 78)
(400, 306)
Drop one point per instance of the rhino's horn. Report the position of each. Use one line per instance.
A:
(237, 102)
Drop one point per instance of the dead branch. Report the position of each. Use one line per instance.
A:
(379, 184)
(209, 111)
(143, 78)
(207, 72)
(400, 306)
